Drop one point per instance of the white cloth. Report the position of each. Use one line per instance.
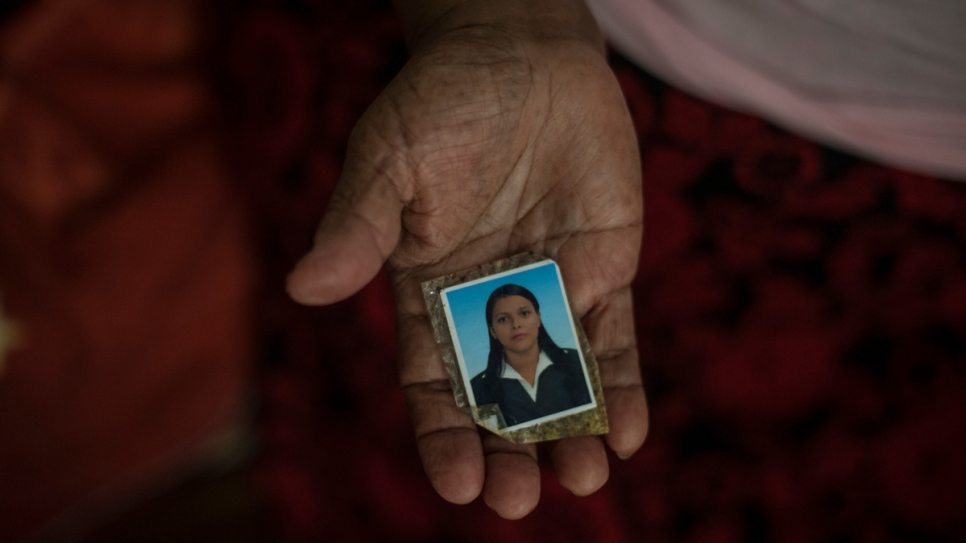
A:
(882, 78)
(543, 362)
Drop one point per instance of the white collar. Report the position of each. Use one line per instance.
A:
(543, 362)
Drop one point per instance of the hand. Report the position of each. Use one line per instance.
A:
(490, 142)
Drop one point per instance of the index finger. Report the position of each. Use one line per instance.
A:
(447, 438)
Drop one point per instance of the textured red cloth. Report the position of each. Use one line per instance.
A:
(123, 256)
(801, 316)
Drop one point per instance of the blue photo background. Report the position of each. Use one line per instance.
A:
(468, 309)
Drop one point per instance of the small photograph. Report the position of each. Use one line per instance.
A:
(517, 347)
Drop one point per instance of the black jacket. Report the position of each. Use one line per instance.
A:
(561, 387)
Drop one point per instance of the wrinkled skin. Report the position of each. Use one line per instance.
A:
(487, 144)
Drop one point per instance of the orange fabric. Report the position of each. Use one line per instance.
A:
(122, 254)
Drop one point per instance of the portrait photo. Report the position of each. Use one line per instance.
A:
(516, 345)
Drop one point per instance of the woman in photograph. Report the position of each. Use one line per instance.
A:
(527, 374)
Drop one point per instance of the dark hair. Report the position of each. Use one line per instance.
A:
(497, 357)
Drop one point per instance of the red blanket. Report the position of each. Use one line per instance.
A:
(801, 316)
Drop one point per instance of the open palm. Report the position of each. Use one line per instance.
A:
(489, 144)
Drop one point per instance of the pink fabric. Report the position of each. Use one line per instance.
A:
(914, 135)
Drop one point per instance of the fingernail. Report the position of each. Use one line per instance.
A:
(624, 456)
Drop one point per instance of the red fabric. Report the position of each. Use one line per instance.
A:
(800, 317)
(123, 257)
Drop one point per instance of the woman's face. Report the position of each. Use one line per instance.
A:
(515, 324)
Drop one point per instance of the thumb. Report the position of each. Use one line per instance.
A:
(357, 234)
